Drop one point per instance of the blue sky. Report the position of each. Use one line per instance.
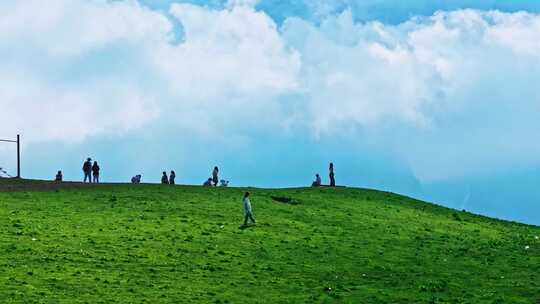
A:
(433, 99)
(387, 11)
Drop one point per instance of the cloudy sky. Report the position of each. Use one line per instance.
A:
(437, 101)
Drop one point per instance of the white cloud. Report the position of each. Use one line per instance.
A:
(227, 54)
(73, 69)
(460, 83)
(62, 28)
(360, 74)
(44, 113)
(62, 79)
(230, 62)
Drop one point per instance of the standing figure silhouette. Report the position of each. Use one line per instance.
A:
(95, 172)
(87, 169)
(215, 177)
(332, 176)
(172, 177)
(164, 178)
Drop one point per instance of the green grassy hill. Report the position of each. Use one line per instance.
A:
(175, 244)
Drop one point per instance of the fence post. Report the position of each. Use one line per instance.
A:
(18, 156)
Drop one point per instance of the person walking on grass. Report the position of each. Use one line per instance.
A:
(87, 169)
(164, 178)
(215, 177)
(172, 177)
(332, 177)
(95, 172)
(248, 213)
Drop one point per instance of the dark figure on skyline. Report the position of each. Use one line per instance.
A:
(172, 177)
(317, 182)
(164, 178)
(332, 177)
(87, 169)
(215, 177)
(59, 176)
(208, 183)
(136, 179)
(95, 172)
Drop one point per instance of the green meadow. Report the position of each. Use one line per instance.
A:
(182, 244)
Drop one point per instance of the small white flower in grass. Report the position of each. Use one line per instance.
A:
(34, 239)
(527, 247)
(536, 237)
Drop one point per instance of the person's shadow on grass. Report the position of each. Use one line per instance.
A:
(244, 227)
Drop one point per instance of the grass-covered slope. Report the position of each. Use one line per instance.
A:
(165, 244)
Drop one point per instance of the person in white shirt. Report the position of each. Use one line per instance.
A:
(248, 213)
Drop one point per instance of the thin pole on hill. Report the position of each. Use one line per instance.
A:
(18, 156)
(18, 142)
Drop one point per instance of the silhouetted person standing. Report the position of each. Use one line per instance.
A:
(59, 176)
(87, 169)
(215, 178)
(172, 177)
(248, 213)
(95, 172)
(164, 178)
(332, 177)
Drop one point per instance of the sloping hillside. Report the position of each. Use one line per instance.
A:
(176, 244)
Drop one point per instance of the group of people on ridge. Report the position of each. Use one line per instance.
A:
(318, 181)
(213, 181)
(91, 171)
(168, 180)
